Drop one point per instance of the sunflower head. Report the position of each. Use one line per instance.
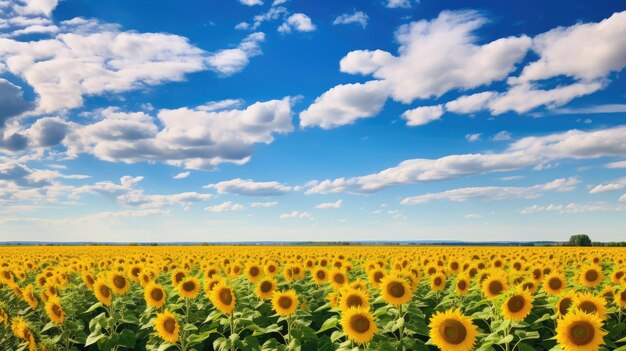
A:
(375, 277)
(54, 310)
(253, 272)
(338, 278)
(580, 331)
(118, 283)
(591, 276)
(565, 302)
(437, 282)
(354, 298)
(554, 284)
(189, 287)
(223, 298)
(451, 330)
(591, 304)
(154, 294)
(167, 326)
(285, 303)
(103, 292)
(395, 290)
(462, 284)
(320, 275)
(358, 325)
(495, 284)
(265, 288)
(517, 306)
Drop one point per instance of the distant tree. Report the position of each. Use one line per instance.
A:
(579, 240)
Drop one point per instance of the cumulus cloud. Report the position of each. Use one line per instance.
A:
(326, 205)
(614, 186)
(89, 58)
(189, 137)
(472, 137)
(502, 136)
(526, 152)
(344, 104)
(296, 214)
(494, 192)
(181, 175)
(298, 22)
(573, 208)
(422, 115)
(617, 164)
(358, 17)
(394, 4)
(264, 204)
(247, 187)
(12, 104)
(251, 2)
(227, 206)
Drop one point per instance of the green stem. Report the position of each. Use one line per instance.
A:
(402, 327)
(232, 327)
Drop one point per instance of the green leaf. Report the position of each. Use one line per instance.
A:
(328, 324)
(93, 307)
(93, 338)
(164, 346)
(507, 339)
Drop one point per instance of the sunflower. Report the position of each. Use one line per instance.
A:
(189, 287)
(564, 303)
(265, 288)
(591, 276)
(103, 292)
(29, 297)
(154, 294)
(54, 310)
(177, 277)
(395, 290)
(452, 331)
(338, 278)
(462, 284)
(88, 279)
(495, 285)
(271, 268)
(358, 325)
(167, 327)
(580, 331)
(320, 275)
(517, 306)
(554, 284)
(333, 299)
(354, 298)
(253, 272)
(285, 302)
(4, 317)
(591, 304)
(437, 282)
(223, 298)
(209, 284)
(375, 277)
(528, 285)
(617, 276)
(118, 283)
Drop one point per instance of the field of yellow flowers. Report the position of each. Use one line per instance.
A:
(312, 298)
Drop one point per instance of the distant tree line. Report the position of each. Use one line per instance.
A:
(584, 240)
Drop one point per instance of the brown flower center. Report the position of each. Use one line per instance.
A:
(105, 291)
(266, 287)
(555, 283)
(56, 309)
(169, 325)
(591, 275)
(588, 307)
(495, 287)
(339, 278)
(254, 271)
(454, 265)
(189, 286)
(396, 289)
(359, 323)
(179, 276)
(537, 273)
(564, 305)
(156, 294)
(119, 281)
(461, 284)
(378, 276)
(516, 303)
(354, 301)
(285, 302)
(271, 268)
(452, 331)
(438, 281)
(320, 275)
(517, 266)
(581, 333)
(226, 296)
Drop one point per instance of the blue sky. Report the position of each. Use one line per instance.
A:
(300, 120)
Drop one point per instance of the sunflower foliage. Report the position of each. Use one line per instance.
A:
(312, 298)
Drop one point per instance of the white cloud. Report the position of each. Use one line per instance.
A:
(358, 17)
(585, 51)
(394, 4)
(494, 192)
(296, 214)
(192, 138)
(470, 103)
(344, 104)
(264, 204)
(428, 64)
(573, 208)
(325, 205)
(251, 2)
(298, 22)
(472, 137)
(618, 164)
(89, 58)
(526, 152)
(249, 187)
(502, 136)
(182, 175)
(473, 216)
(597, 109)
(422, 115)
(614, 186)
(227, 206)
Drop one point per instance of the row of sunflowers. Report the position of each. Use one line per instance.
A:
(312, 298)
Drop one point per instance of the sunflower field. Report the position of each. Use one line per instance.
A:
(312, 298)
